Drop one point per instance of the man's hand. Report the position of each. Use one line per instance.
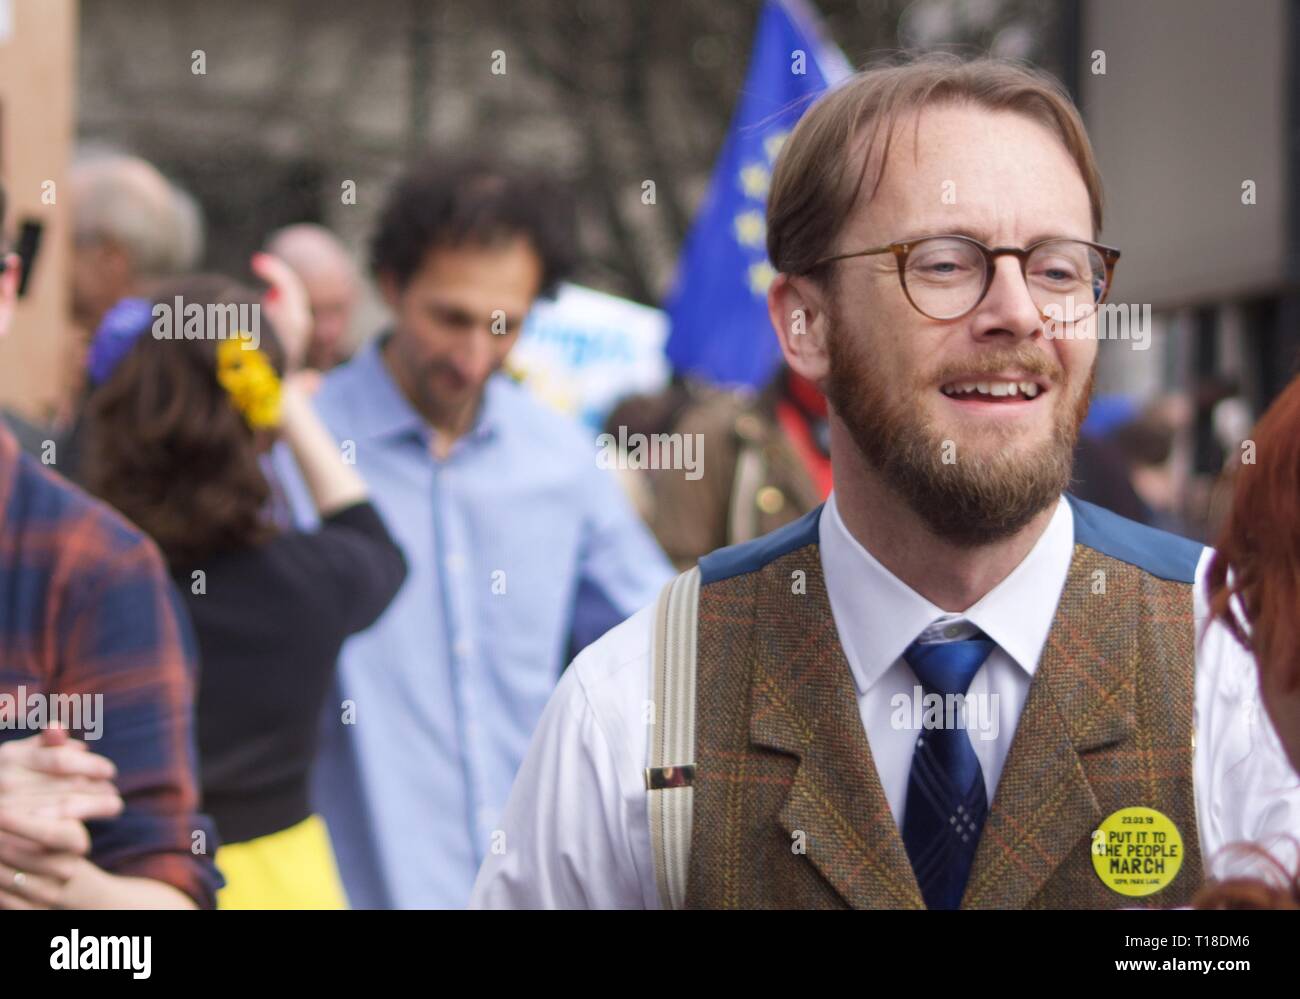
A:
(286, 305)
(43, 866)
(53, 775)
(49, 783)
(39, 857)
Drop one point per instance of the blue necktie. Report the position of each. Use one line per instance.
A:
(946, 801)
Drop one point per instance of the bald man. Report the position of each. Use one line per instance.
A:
(333, 288)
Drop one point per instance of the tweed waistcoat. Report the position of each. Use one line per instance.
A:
(788, 806)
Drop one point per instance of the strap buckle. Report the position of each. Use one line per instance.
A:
(661, 778)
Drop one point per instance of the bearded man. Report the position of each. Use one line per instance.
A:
(934, 227)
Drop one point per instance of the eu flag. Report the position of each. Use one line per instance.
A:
(718, 308)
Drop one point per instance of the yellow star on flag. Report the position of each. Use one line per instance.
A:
(754, 179)
(773, 143)
(760, 276)
(750, 228)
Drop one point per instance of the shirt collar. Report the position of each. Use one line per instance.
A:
(384, 411)
(878, 616)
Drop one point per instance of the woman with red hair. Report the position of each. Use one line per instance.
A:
(1253, 587)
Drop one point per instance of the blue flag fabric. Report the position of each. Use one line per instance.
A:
(718, 307)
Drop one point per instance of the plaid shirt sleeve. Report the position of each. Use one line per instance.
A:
(124, 634)
(87, 608)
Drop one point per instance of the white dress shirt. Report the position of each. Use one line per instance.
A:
(575, 827)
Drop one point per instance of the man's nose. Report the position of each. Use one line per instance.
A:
(476, 355)
(1008, 307)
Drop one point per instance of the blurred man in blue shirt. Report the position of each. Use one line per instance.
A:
(521, 548)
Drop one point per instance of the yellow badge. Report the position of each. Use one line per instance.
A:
(1137, 851)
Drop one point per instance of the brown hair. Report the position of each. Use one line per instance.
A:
(818, 179)
(1253, 585)
(166, 446)
(1255, 570)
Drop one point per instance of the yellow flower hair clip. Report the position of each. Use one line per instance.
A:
(250, 379)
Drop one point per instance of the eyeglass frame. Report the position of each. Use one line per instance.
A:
(903, 247)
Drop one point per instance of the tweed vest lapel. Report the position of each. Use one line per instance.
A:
(804, 704)
(1081, 699)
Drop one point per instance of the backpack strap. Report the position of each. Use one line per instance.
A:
(751, 473)
(671, 769)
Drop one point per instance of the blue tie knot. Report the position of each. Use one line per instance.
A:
(948, 667)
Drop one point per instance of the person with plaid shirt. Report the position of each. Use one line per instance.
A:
(88, 612)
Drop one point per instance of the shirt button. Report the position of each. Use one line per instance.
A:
(455, 562)
(461, 648)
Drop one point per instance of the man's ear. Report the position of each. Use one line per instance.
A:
(797, 308)
(9, 281)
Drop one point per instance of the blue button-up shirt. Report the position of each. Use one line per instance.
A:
(520, 549)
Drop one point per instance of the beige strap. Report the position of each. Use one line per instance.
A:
(671, 768)
(751, 470)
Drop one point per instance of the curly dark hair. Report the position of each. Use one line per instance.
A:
(165, 445)
(444, 203)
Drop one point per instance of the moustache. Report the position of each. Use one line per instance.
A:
(1029, 362)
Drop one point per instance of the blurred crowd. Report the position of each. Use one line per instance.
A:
(327, 582)
(274, 489)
